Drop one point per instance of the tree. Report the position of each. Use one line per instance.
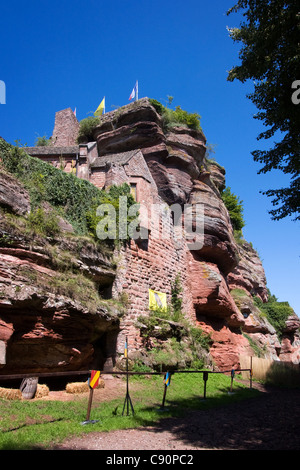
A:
(270, 56)
(234, 207)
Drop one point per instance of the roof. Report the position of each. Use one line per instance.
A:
(115, 158)
(51, 150)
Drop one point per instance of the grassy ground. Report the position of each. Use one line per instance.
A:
(33, 423)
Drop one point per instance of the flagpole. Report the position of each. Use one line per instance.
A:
(127, 397)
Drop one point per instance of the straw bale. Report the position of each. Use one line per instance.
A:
(77, 387)
(41, 391)
(10, 393)
(82, 387)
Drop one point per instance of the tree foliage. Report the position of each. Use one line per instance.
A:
(235, 208)
(270, 56)
(277, 312)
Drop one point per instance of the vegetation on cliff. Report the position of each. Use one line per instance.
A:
(176, 117)
(86, 129)
(170, 340)
(276, 312)
(235, 208)
(74, 199)
(170, 118)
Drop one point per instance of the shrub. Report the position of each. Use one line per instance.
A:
(86, 129)
(234, 207)
(176, 299)
(44, 223)
(42, 141)
(75, 199)
(276, 312)
(176, 117)
(112, 197)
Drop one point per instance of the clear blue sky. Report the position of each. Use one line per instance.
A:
(71, 53)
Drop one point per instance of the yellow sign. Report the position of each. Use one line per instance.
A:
(157, 300)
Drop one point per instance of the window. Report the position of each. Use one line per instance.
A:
(133, 190)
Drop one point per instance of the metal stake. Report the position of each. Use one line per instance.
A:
(127, 397)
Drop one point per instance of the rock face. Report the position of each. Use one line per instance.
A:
(51, 315)
(46, 327)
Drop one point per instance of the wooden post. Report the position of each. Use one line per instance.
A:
(89, 404)
(167, 381)
(164, 398)
(93, 382)
(232, 376)
(127, 400)
(205, 378)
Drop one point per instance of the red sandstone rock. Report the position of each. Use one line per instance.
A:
(13, 196)
(249, 274)
(41, 330)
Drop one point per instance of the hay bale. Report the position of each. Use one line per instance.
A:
(82, 387)
(101, 383)
(77, 387)
(41, 391)
(10, 393)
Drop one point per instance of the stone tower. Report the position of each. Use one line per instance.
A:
(65, 129)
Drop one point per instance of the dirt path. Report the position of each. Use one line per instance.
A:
(268, 422)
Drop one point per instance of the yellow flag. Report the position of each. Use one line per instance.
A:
(100, 108)
(157, 300)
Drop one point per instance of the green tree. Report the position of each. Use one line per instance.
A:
(269, 57)
(235, 208)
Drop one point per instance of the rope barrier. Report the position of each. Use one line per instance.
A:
(95, 374)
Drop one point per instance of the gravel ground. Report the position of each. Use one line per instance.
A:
(268, 422)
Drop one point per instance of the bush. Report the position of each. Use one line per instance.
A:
(234, 207)
(86, 129)
(112, 197)
(44, 223)
(176, 117)
(74, 199)
(43, 141)
(276, 312)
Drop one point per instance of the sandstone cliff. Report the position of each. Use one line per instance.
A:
(46, 324)
(52, 317)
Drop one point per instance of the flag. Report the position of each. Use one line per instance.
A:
(101, 108)
(157, 300)
(126, 349)
(135, 92)
(94, 379)
(167, 380)
(74, 112)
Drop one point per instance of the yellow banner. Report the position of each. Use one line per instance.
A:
(157, 300)
(100, 108)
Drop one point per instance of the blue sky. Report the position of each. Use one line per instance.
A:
(71, 53)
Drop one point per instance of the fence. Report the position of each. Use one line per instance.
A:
(94, 376)
(271, 372)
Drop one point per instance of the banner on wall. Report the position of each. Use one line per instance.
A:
(157, 299)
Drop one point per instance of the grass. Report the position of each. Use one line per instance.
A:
(37, 424)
